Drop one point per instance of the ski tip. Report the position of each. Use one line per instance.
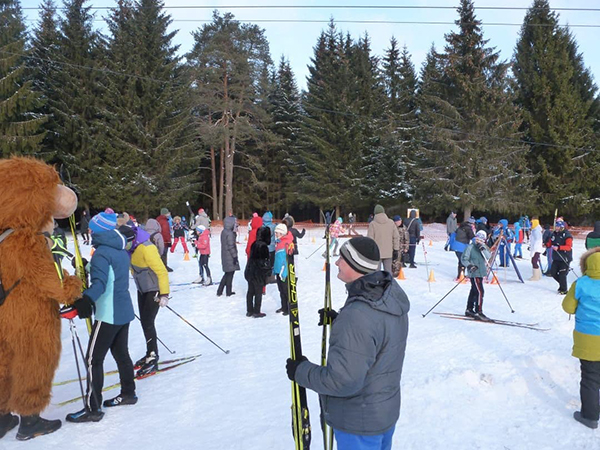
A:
(227, 352)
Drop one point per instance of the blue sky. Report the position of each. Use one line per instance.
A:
(296, 40)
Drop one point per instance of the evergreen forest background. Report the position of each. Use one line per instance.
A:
(135, 123)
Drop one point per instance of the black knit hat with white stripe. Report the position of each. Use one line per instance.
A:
(362, 254)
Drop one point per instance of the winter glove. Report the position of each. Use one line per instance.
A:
(68, 312)
(74, 263)
(326, 317)
(394, 255)
(291, 366)
(236, 261)
(472, 268)
(480, 246)
(85, 307)
(162, 300)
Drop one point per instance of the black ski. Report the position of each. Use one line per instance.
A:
(508, 323)
(300, 417)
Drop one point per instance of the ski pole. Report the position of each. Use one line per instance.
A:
(315, 250)
(158, 339)
(499, 285)
(205, 336)
(568, 265)
(433, 307)
(77, 362)
(426, 264)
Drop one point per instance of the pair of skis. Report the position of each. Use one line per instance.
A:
(164, 366)
(300, 416)
(508, 323)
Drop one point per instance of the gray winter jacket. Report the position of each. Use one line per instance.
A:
(360, 385)
(202, 219)
(229, 253)
(451, 224)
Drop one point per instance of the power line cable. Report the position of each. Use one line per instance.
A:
(305, 106)
(384, 22)
(396, 7)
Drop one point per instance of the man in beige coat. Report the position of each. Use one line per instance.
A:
(383, 230)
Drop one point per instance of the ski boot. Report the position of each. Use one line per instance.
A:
(207, 281)
(33, 426)
(482, 317)
(470, 313)
(140, 362)
(7, 423)
(85, 415)
(199, 280)
(121, 400)
(149, 367)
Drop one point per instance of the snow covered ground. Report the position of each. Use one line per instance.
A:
(465, 385)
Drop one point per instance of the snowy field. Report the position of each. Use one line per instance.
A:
(465, 385)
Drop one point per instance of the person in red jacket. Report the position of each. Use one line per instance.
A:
(255, 224)
(165, 231)
(203, 246)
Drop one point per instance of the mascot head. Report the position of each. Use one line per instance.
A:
(32, 195)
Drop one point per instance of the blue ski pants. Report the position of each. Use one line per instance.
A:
(347, 441)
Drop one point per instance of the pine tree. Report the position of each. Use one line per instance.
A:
(20, 126)
(557, 95)
(147, 113)
(470, 155)
(228, 63)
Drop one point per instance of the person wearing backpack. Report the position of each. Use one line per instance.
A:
(152, 282)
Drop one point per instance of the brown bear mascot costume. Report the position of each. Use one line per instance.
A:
(32, 196)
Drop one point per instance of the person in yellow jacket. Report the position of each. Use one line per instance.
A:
(152, 282)
(583, 300)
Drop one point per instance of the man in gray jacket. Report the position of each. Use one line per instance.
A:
(360, 385)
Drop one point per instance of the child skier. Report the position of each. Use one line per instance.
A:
(475, 258)
(583, 300)
(284, 244)
(179, 230)
(257, 270)
(519, 232)
(334, 232)
(203, 246)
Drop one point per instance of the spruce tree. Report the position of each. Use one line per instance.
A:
(78, 89)
(20, 127)
(559, 102)
(470, 155)
(147, 113)
(45, 71)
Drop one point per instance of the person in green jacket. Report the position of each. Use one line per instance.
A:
(475, 258)
(583, 300)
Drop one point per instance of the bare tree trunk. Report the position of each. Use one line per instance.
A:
(221, 184)
(468, 211)
(213, 166)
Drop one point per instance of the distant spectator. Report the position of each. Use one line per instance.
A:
(385, 233)
(592, 240)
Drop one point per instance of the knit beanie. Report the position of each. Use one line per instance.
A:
(164, 211)
(362, 254)
(481, 235)
(103, 222)
(281, 229)
(378, 209)
(397, 218)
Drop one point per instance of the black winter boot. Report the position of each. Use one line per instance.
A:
(85, 415)
(121, 400)
(593, 424)
(7, 423)
(33, 426)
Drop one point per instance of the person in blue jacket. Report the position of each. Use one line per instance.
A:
(507, 238)
(268, 222)
(108, 295)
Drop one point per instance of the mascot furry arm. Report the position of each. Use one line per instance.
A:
(32, 196)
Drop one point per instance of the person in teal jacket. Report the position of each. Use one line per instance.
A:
(583, 300)
(475, 258)
(108, 295)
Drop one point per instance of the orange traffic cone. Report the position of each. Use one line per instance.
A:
(431, 276)
(246, 237)
(313, 240)
(324, 267)
(494, 278)
(401, 275)
(430, 243)
(186, 256)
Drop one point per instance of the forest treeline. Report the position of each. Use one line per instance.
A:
(134, 122)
